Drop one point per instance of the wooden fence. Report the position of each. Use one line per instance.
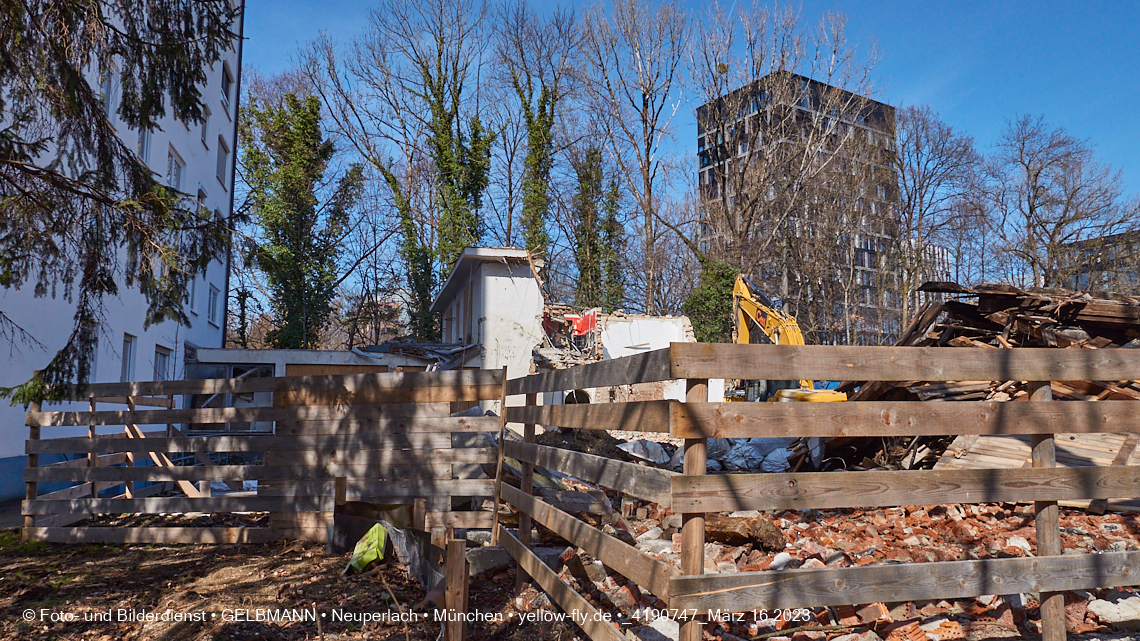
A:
(692, 494)
(385, 437)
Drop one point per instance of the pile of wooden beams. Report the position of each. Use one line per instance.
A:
(995, 317)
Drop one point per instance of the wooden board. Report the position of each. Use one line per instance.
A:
(458, 520)
(457, 425)
(454, 379)
(649, 367)
(853, 363)
(646, 416)
(378, 491)
(379, 458)
(251, 414)
(642, 482)
(899, 418)
(828, 490)
(199, 535)
(179, 505)
(104, 459)
(745, 591)
(236, 472)
(241, 443)
(583, 614)
(645, 571)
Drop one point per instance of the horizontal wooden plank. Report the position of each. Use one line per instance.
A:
(645, 416)
(325, 383)
(374, 395)
(113, 535)
(180, 505)
(250, 414)
(745, 591)
(643, 482)
(854, 363)
(377, 491)
(104, 459)
(139, 401)
(237, 443)
(828, 490)
(899, 418)
(447, 425)
(237, 472)
(645, 571)
(379, 458)
(641, 368)
(459, 520)
(83, 490)
(585, 615)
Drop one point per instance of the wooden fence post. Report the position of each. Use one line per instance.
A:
(33, 461)
(693, 524)
(1048, 523)
(455, 590)
(526, 484)
(92, 457)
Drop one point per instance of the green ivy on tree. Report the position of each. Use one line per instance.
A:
(286, 156)
(598, 235)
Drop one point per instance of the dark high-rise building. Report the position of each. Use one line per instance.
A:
(797, 188)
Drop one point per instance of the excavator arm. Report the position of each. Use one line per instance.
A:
(757, 320)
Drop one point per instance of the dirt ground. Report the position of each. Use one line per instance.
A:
(104, 590)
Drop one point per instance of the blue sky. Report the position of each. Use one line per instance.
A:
(979, 64)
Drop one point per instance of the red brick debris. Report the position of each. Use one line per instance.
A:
(912, 534)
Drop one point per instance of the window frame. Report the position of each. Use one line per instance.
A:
(212, 306)
(130, 348)
(168, 355)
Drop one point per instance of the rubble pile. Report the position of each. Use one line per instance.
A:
(753, 541)
(994, 317)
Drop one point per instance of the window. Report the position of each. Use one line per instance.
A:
(212, 306)
(206, 126)
(174, 167)
(227, 85)
(128, 370)
(202, 211)
(162, 361)
(143, 148)
(192, 294)
(106, 93)
(223, 160)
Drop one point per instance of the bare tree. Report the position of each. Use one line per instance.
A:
(779, 103)
(632, 72)
(933, 166)
(1045, 191)
(403, 98)
(535, 58)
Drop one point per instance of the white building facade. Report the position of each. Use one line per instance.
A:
(196, 159)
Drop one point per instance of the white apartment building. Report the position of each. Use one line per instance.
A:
(195, 159)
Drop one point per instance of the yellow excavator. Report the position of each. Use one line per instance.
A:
(756, 319)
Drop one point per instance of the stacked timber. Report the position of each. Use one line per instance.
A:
(995, 316)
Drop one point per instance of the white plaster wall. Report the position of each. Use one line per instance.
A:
(509, 312)
(49, 319)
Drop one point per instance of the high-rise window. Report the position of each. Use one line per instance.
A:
(174, 167)
(223, 160)
(206, 126)
(162, 361)
(128, 370)
(192, 294)
(227, 85)
(143, 147)
(212, 306)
